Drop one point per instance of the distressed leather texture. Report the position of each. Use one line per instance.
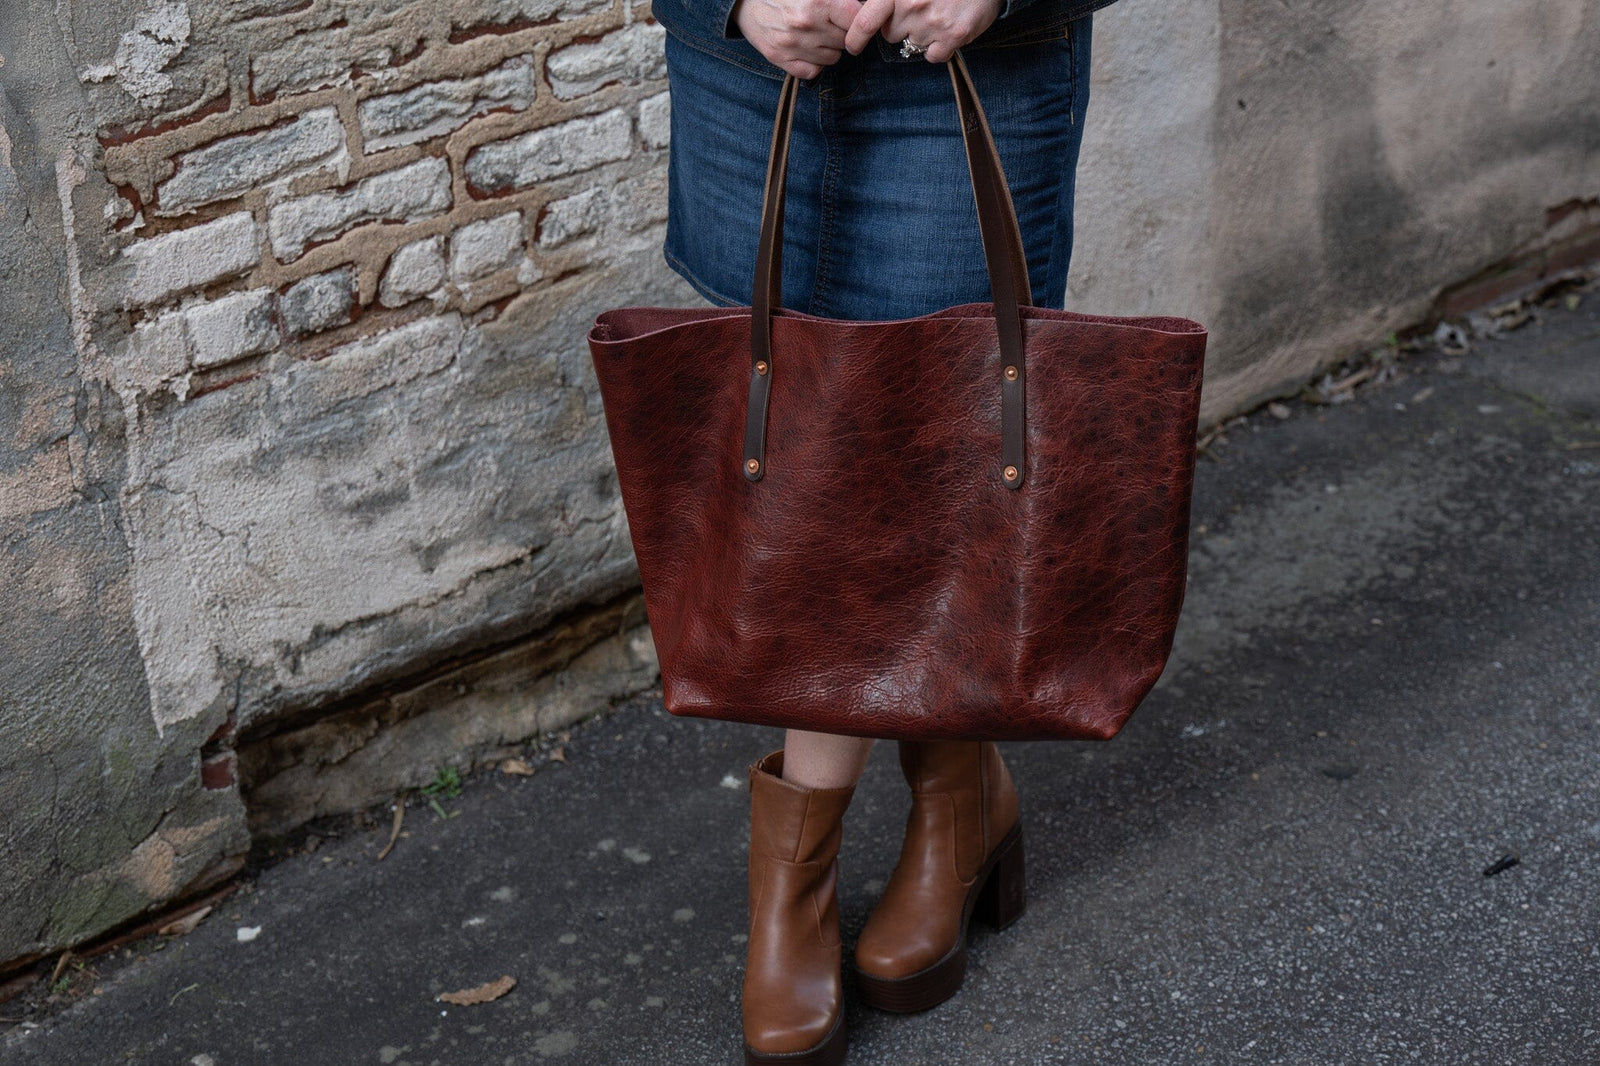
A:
(880, 579)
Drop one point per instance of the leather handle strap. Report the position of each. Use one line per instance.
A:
(1003, 254)
(767, 291)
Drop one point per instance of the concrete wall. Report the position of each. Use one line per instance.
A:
(304, 488)
(1306, 176)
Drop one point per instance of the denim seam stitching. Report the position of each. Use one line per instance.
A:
(1072, 76)
(830, 169)
(1065, 202)
(699, 286)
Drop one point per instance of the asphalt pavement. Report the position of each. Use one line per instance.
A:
(1386, 685)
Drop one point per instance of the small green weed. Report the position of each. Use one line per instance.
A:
(446, 784)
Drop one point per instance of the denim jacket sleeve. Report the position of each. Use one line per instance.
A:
(705, 19)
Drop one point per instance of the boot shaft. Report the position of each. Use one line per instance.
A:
(982, 803)
(791, 824)
(792, 995)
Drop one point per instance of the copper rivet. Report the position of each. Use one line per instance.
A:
(1011, 373)
(752, 465)
(1011, 473)
(761, 366)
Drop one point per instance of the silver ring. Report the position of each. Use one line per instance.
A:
(909, 50)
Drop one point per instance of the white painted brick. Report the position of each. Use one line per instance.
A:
(415, 191)
(483, 247)
(416, 269)
(234, 165)
(157, 352)
(159, 35)
(199, 336)
(239, 10)
(231, 327)
(551, 152)
(632, 53)
(503, 11)
(382, 360)
(163, 266)
(318, 59)
(641, 201)
(629, 205)
(655, 120)
(567, 218)
(438, 107)
(319, 302)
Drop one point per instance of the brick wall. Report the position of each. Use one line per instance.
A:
(312, 386)
(340, 170)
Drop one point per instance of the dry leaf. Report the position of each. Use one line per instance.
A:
(186, 924)
(559, 755)
(467, 997)
(516, 766)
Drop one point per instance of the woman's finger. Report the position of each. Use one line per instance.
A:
(821, 55)
(871, 17)
(843, 12)
(899, 28)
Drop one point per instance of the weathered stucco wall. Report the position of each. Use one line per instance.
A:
(302, 460)
(1306, 176)
(304, 486)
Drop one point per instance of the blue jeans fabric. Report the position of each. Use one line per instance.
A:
(880, 220)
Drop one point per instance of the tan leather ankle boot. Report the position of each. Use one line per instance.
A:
(962, 855)
(793, 1001)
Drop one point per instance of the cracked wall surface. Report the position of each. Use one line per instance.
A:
(304, 486)
(99, 814)
(297, 417)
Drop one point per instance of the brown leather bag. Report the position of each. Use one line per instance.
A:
(967, 525)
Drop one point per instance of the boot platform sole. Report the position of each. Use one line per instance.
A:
(830, 1052)
(998, 897)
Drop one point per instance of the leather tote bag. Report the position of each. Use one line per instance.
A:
(968, 525)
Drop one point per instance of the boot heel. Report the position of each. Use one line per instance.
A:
(1004, 895)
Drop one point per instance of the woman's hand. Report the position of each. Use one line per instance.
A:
(940, 26)
(799, 36)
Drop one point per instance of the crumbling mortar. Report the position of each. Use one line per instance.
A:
(553, 28)
(372, 321)
(112, 136)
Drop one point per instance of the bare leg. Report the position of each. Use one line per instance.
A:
(823, 760)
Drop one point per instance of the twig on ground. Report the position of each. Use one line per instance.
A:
(394, 829)
(61, 964)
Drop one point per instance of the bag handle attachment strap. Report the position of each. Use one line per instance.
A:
(767, 291)
(1007, 263)
(1003, 255)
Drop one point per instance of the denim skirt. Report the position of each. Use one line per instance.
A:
(880, 218)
